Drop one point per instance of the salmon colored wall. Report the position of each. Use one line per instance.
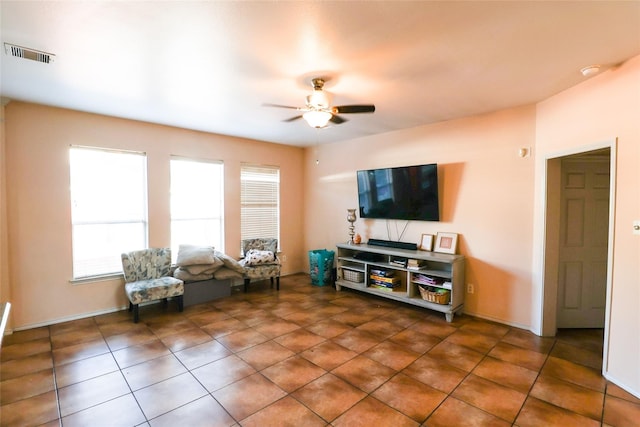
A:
(602, 109)
(38, 218)
(490, 195)
(495, 199)
(5, 292)
(486, 195)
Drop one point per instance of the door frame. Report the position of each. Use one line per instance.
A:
(548, 299)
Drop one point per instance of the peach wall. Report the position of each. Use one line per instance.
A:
(492, 197)
(486, 193)
(495, 200)
(604, 108)
(39, 225)
(5, 292)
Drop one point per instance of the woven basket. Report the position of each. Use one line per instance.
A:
(435, 297)
(352, 275)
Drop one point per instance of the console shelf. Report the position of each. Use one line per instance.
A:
(380, 271)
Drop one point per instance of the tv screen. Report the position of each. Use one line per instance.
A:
(409, 192)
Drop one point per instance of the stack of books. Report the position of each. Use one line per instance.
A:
(383, 279)
(415, 264)
(399, 261)
(423, 279)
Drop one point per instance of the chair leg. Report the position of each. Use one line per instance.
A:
(246, 284)
(180, 303)
(130, 307)
(271, 279)
(165, 303)
(278, 283)
(136, 315)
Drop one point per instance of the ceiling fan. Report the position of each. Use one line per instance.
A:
(317, 111)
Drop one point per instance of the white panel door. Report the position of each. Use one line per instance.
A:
(584, 226)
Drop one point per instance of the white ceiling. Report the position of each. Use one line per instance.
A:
(210, 65)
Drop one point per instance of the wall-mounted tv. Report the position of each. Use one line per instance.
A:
(408, 192)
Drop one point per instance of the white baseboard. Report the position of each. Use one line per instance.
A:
(74, 317)
(501, 321)
(622, 385)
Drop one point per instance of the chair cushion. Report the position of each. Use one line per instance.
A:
(153, 289)
(262, 271)
(255, 257)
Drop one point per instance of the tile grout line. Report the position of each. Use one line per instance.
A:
(264, 299)
(533, 383)
(450, 394)
(55, 380)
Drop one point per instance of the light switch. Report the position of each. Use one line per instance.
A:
(636, 227)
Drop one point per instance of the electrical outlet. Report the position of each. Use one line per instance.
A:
(283, 258)
(470, 288)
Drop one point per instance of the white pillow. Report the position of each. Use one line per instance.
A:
(226, 273)
(195, 255)
(230, 262)
(185, 276)
(256, 257)
(204, 268)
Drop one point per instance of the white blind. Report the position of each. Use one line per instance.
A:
(197, 206)
(108, 208)
(260, 202)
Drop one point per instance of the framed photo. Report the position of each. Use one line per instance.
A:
(446, 243)
(426, 242)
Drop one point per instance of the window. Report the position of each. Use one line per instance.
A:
(108, 208)
(260, 202)
(197, 208)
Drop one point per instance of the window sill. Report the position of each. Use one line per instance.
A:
(93, 279)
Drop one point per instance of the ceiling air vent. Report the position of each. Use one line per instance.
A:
(26, 53)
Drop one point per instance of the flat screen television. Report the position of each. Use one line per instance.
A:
(408, 192)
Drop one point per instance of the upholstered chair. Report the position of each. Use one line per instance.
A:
(260, 261)
(147, 276)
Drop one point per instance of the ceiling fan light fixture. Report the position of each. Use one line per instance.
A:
(318, 111)
(318, 99)
(317, 119)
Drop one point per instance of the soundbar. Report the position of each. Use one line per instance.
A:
(392, 244)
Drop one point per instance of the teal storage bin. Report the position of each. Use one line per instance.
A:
(321, 267)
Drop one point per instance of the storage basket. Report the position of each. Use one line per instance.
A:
(352, 275)
(321, 267)
(441, 297)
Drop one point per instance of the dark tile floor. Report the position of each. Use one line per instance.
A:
(304, 356)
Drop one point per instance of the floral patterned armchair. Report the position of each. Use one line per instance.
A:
(260, 261)
(147, 276)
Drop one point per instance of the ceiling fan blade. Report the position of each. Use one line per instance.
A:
(292, 119)
(337, 119)
(349, 109)
(280, 106)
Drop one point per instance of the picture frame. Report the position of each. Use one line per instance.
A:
(446, 243)
(426, 242)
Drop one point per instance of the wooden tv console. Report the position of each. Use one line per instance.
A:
(355, 264)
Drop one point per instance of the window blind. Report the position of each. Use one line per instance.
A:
(260, 202)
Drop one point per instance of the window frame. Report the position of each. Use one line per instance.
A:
(76, 276)
(220, 219)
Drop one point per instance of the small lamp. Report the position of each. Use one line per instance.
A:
(351, 217)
